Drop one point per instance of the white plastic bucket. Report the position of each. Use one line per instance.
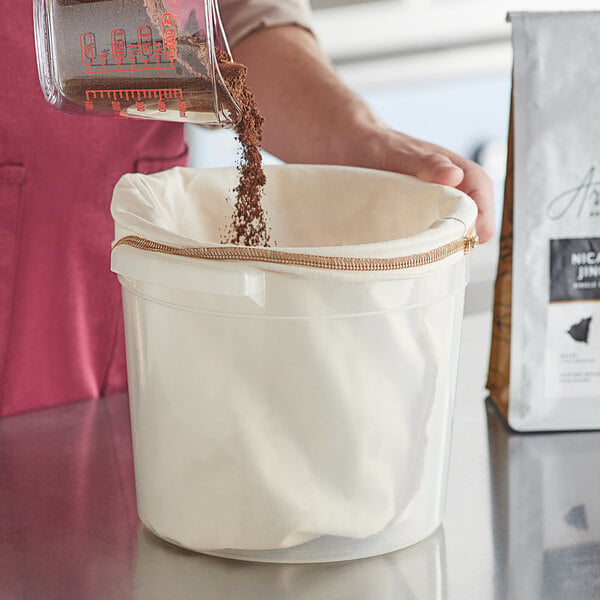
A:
(284, 412)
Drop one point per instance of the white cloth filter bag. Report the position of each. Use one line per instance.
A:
(275, 401)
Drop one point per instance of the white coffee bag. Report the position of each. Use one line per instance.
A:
(555, 321)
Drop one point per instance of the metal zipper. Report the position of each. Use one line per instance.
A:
(339, 263)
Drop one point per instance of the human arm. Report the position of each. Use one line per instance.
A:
(311, 116)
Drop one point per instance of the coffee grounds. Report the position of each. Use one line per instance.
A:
(248, 225)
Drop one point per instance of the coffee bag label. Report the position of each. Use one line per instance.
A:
(575, 269)
(572, 360)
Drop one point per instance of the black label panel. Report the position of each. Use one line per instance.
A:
(575, 269)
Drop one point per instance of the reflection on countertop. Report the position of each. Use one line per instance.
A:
(545, 496)
(165, 571)
(67, 503)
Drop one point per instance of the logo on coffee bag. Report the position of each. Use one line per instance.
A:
(581, 330)
(583, 200)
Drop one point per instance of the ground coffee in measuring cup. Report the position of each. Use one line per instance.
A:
(139, 58)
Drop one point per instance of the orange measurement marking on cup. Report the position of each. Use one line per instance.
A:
(137, 95)
(87, 44)
(117, 42)
(145, 47)
(169, 35)
(143, 54)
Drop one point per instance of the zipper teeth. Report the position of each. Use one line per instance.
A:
(465, 245)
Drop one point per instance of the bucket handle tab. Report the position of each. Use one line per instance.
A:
(207, 277)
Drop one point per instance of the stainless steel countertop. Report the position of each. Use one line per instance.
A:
(522, 519)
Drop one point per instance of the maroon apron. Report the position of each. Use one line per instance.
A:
(61, 331)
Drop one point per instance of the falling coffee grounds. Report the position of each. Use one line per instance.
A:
(248, 226)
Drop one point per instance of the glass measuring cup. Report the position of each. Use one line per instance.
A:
(145, 59)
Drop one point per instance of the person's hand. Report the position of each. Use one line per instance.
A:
(311, 116)
(393, 151)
